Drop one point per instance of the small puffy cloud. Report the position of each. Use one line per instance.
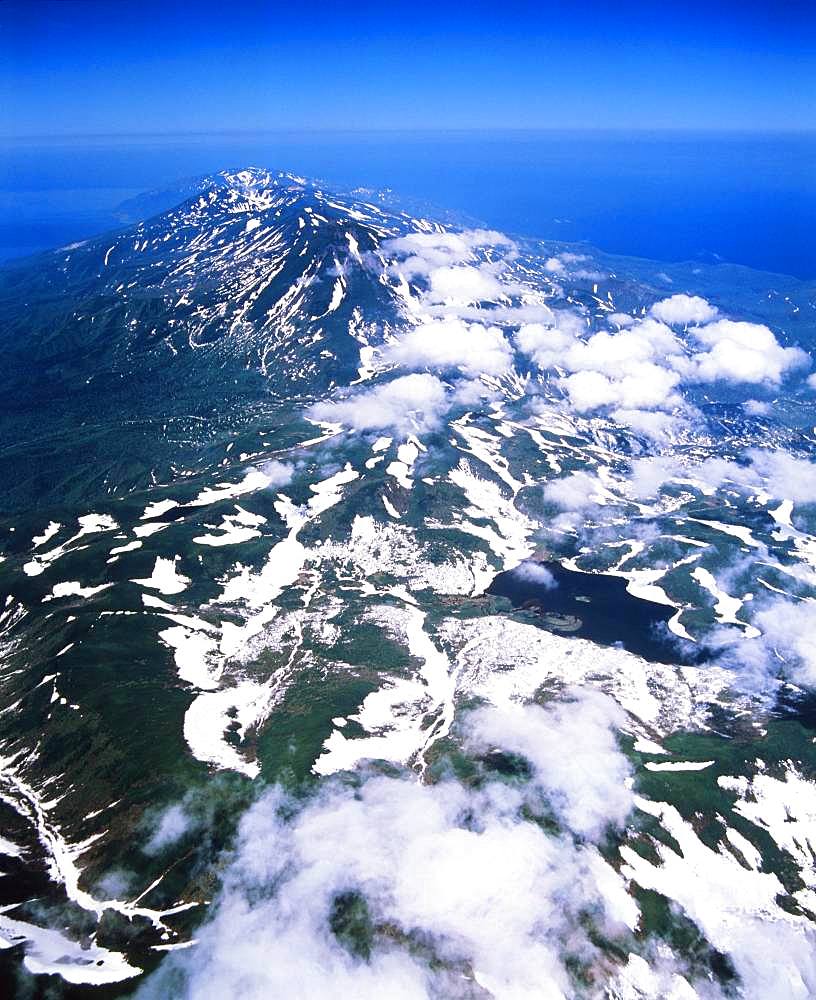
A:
(652, 424)
(756, 408)
(681, 310)
(452, 344)
(459, 269)
(620, 319)
(788, 632)
(533, 572)
(449, 247)
(463, 284)
(638, 367)
(614, 354)
(472, 392)
(577, 491)
(781, 474)
(811, 381)
(420, 253)
(587, 786)
(115, 884)
(547, 344)
(513, 314)
(558, 266)
(743, 352)
(173, 824)
(647, 475)
(631, 369)
(634, 370)
(412, 402)
(589, 390)
(785, 647)
(648, 386)
(278, 473)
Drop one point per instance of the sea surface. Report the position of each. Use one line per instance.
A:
(670, 196)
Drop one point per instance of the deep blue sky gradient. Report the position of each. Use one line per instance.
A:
(113, 67)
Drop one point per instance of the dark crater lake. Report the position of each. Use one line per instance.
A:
(592, 606)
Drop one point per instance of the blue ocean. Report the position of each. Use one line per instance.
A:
(670, 196)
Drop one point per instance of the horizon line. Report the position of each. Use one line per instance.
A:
(416, 130)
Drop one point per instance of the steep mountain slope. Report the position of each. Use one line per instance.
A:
(250, 293)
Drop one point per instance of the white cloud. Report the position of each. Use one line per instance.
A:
(586, 787)
(533, 572)
(463, 284)
(173, 824)
(756, 408)
(648, 386)
(447, 344)
(784, 649)
(636, 371)
(651, 423)
(557, 266)
(776, 472)
(444, 877)
(471, 392)
(412, 402)
(589, 390)
(613, 354)
(620, 319)
(577, 491)
(743, 352)
(459, 269)
(626, 369)
(420, 253)
(514, 314)
(783, 475)
(788, 631)
(647, 475)
(680, 310)
(278, 473)
(811, 381)
(639, 367)
(547, 344)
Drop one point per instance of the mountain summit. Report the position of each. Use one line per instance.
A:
(258, 288)
(254, 271)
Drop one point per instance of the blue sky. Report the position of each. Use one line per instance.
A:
(71, 67)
